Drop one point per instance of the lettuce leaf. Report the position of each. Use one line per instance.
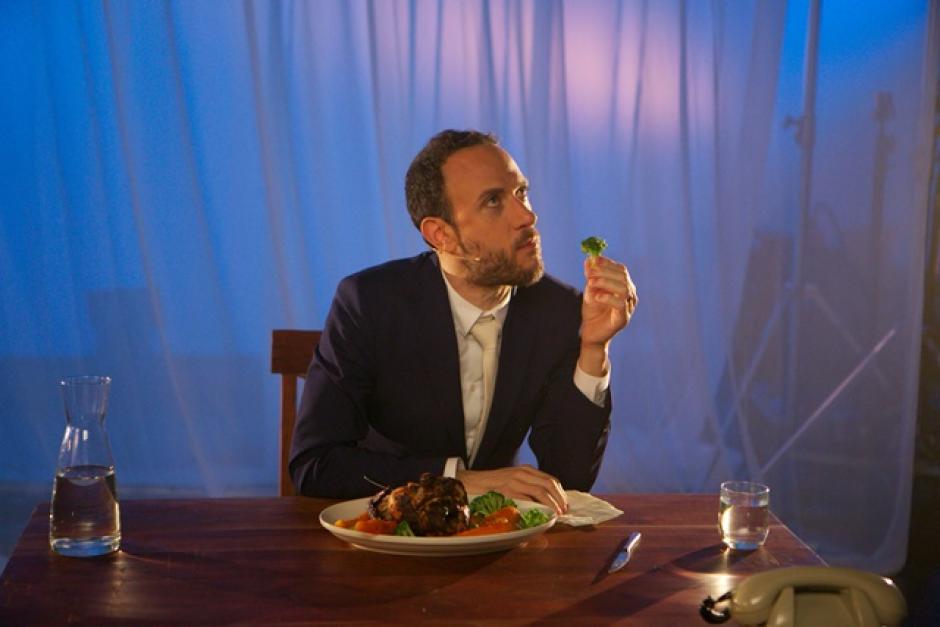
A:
(404, 529)
(488, 503)
(533, 518)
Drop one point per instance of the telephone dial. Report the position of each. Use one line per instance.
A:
(810, 596)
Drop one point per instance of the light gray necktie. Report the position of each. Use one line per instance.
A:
(486, 332)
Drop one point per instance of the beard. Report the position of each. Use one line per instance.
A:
(497, 268)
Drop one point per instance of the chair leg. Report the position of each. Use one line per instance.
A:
(288, 417)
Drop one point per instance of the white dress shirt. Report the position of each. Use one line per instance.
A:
(471, 369)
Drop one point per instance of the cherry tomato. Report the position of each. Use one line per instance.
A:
(373, 525)
(508, 514)
(350, 523)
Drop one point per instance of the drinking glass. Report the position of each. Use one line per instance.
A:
(84, 518)
(743, 514)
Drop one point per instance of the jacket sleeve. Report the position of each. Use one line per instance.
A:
(569, 431)
(333, 446)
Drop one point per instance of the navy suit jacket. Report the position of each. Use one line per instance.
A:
(382, 396)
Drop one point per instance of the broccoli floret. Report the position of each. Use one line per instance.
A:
(489, 503)
(593, 246)
(533, 518)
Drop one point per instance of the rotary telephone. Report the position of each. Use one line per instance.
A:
(810, 596)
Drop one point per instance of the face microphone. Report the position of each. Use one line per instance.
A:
(467, 257)
(459, 256)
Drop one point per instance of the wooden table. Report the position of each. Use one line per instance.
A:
(267, 560)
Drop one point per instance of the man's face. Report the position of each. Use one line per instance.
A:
(495, 225)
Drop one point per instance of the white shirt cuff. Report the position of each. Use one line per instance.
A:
(595, 388)
(452, 466)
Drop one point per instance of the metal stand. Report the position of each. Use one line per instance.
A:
(798, 290)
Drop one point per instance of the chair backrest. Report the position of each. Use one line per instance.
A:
(291, 353)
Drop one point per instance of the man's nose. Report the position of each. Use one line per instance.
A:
(525, 214)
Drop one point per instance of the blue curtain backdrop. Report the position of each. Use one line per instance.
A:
(180, 178)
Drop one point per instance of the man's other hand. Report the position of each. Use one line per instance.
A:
(608, 304)
(517, 482)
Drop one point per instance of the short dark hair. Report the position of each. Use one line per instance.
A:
(424, 181)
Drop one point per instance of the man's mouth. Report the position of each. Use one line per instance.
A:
(527, 241)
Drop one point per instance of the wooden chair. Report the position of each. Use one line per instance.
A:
(291, 353)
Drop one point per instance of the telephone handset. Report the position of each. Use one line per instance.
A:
(807, 596)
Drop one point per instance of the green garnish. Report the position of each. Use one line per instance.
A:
(533, 518)
(593, 246)
(404, 529)
(489, 503)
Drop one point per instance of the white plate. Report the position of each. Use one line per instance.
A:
(413, 545)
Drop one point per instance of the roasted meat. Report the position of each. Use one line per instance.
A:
(434, 506)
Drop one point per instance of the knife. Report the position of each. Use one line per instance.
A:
(625, 553)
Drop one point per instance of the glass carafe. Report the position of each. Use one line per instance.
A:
(84, 518)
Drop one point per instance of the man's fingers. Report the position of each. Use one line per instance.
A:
(522, 482)
(610, 276)
(618, 291)
(605, 266)
(546, 490)
(535, 485)
(599, 264)
(531, 492)
(614, 286)
(547, 498)
(539, 494)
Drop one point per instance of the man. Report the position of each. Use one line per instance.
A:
(444, 362)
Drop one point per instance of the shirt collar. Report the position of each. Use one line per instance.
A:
(466, 313)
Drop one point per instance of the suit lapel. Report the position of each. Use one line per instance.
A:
(435, 339)
(516, 346)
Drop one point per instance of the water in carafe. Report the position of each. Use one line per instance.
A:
(84, 517)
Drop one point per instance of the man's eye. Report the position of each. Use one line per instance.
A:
(491, 200)
(522, 193)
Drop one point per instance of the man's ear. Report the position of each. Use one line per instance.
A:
(436, 232)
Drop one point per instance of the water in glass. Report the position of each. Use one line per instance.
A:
(744, 514)
(84, 517)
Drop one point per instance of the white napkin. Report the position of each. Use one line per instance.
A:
(584, 509)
